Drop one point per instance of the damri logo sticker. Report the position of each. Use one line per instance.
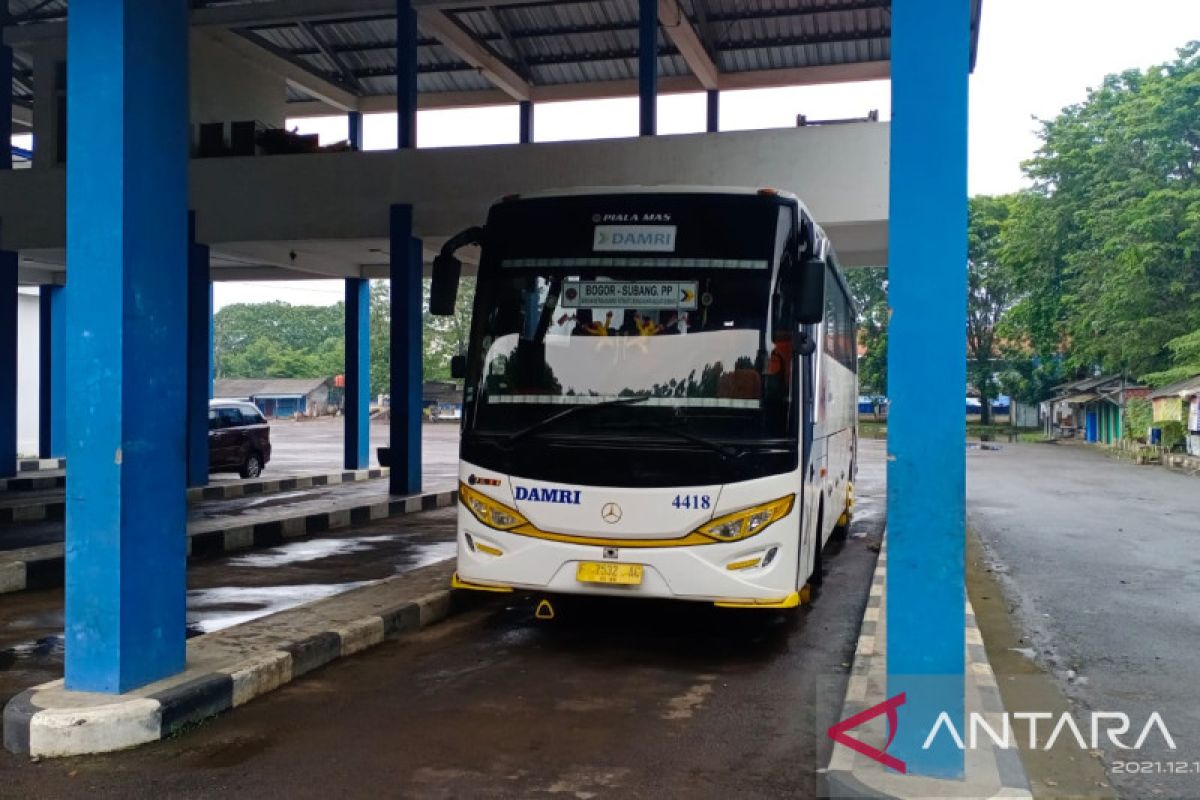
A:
(635, 238)
(534, 494)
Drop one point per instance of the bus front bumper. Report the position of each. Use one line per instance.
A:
(752, 573)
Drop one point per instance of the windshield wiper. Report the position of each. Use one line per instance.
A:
(554, 419)
(725, 451)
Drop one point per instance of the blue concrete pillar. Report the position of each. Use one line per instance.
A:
(358, 374)
(127, 253)
(354, 123)
(406, 366)
(526, 124)
(648, 66)
(199, 338)
(714, 111)
(52, 365)
(406, 75)
(927, 284)
(8, 362)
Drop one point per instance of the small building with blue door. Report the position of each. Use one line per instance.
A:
(278, 397)
(1094, 408)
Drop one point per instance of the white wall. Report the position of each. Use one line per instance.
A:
(228, 87)
(28, 343)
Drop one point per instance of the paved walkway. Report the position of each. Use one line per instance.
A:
(235, 511)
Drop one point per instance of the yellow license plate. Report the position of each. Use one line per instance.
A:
(619, 574)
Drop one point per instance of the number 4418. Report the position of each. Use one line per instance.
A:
(692, 501)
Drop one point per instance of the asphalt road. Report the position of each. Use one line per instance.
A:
(1100, 561)
(612, 699)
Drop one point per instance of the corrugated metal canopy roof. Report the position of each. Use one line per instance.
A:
(1184, 388)
(552, 44)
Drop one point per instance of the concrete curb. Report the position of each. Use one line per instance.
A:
(32, 483)
(990, 772)
(55, 509)
(259, 486)
(48, 721)
(42, 567)
(38, 464)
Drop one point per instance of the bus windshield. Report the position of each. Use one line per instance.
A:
(696, 352)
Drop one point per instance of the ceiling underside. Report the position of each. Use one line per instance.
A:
(480, 45)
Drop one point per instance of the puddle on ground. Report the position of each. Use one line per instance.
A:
(308, 550)
(422, 555)
(225, 606)
(278, 498)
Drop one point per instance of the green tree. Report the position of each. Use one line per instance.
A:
(253, 340)
(381, 337)
(1185, 361)
(446, 337)
(868, 286)
(989, 293)
(1116, 226)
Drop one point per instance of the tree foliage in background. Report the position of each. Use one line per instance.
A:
(1185, 360)
(1107, 246)
(446, 337)
(868, 286)
(990, 289)
(279, 340)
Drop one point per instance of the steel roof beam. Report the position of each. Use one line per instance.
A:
(324, 49)
(598, 90)
(679, 30)
(510, 40)
(463, 43)
(628, 54)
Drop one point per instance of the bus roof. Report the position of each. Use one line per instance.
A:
(587, 191)
(584, 191)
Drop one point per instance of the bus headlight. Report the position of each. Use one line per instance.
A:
(749, 521)
(488, 511)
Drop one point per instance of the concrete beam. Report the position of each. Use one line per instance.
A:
(316, 86)
(306, 202)
(683, 35)
(463, 43)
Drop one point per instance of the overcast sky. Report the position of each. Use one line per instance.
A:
(1035, 57)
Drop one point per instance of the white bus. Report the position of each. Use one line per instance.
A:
(659, 396)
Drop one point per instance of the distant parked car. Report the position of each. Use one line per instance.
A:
(239, 438)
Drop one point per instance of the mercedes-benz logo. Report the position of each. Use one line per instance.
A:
(611, 513)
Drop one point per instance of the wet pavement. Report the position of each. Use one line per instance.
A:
(1098, 560)
(612, 699)
(440, 463)
(237, 588)
(311, 446)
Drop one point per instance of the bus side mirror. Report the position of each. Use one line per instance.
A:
(810, 305)
(443, 288)
(458, 367)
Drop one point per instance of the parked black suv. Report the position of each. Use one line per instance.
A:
(239, 438)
